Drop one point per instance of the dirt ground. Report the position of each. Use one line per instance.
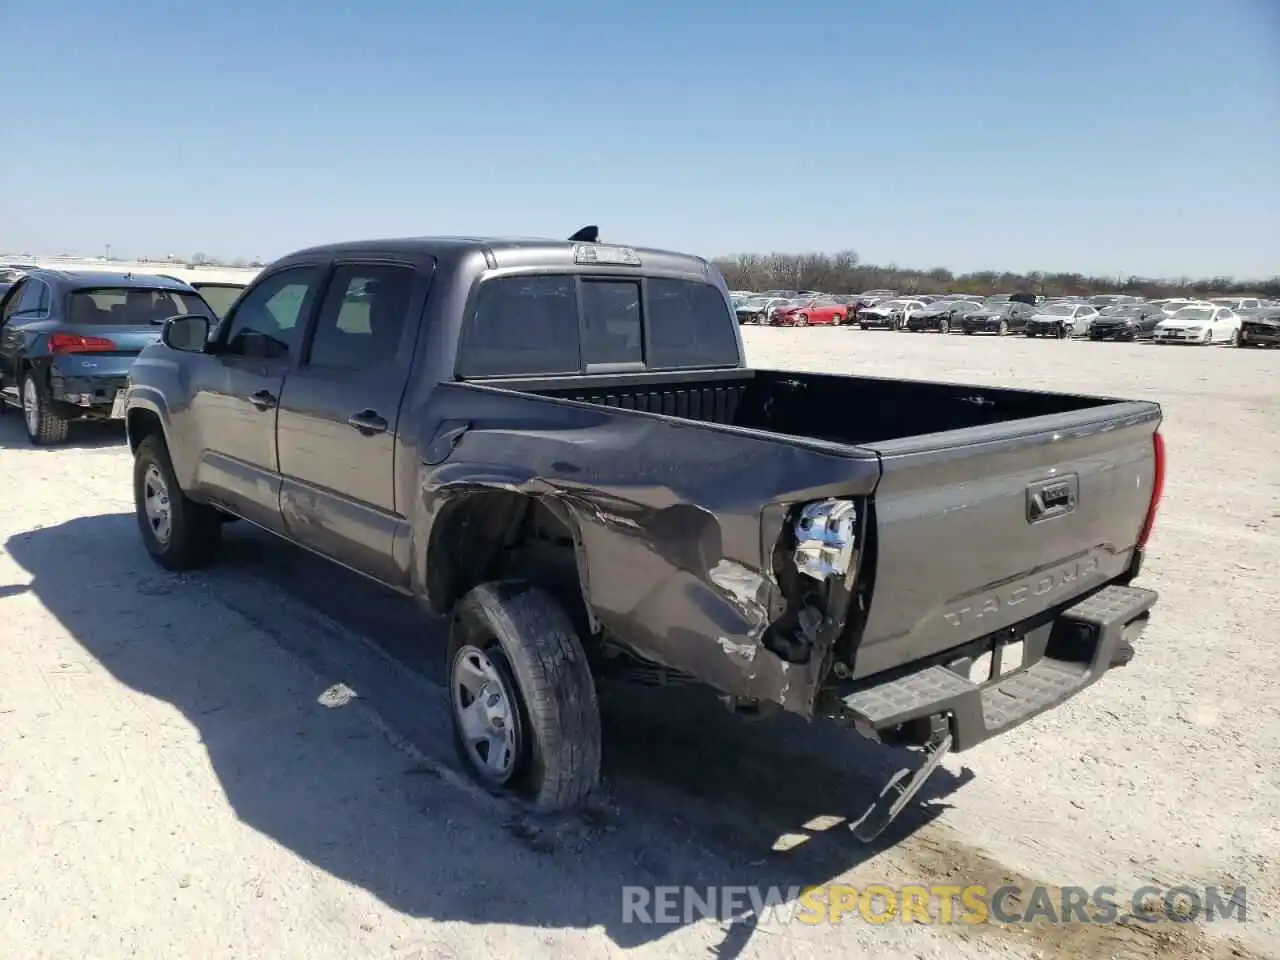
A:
(255, 762)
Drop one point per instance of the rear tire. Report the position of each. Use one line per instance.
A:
(44, 428)
(178, 532)
(523, 645)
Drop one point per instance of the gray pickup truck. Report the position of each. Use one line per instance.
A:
(559, 445)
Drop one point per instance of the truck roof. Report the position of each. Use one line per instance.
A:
(530, 252)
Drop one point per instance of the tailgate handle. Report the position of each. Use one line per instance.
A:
(1052, 498)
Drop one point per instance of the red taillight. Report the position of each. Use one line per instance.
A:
(1157, 490)
(74, 343)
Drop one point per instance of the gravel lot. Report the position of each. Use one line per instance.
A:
(181, 776)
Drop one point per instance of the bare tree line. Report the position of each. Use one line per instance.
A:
(843, 272)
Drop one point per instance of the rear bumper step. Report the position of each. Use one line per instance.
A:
(1084, 642)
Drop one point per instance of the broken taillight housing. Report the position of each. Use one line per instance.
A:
(826, 538)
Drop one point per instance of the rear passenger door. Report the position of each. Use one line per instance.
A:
(339, 411)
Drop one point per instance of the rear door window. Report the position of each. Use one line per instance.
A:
(35, 300)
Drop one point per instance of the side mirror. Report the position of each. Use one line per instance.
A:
(188, 333)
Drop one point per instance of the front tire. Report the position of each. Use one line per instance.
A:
(1002, 329)
(525, 713)
(44, 427)
(178, 532)
(944, 326)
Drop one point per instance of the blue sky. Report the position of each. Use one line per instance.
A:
(1130, 136)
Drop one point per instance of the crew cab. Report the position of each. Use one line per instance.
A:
(558, 445)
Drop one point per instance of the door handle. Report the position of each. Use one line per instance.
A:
(263, 399)
(368, 422)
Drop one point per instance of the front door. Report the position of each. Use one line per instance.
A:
(236, 394)
(339, 412)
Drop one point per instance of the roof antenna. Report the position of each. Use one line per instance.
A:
(589, 234)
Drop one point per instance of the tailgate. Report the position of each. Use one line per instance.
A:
(979, 529)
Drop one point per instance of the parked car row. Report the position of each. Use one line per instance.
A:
(1248, 321)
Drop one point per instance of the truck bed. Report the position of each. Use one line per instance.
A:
(987, 508)
(837, 409)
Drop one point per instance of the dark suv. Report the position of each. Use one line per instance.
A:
(67, 341)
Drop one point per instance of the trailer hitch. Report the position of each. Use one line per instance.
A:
(899, 791)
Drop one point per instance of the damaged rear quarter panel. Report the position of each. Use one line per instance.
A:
(676, 522)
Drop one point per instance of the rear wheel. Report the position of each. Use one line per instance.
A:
(44, 427)
(524, 701)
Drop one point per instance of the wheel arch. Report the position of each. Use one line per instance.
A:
(485, 533)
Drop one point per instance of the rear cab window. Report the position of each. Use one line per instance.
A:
(560, 324)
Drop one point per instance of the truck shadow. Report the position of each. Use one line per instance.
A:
(692, 795)
(82, 436)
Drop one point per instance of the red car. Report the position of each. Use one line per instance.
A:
(804, 313)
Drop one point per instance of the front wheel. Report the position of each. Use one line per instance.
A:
(524, 703)
(1029, 333)
(944, 326)
(802, 321)
(1002, 329)
(1235, 338)
(178, 532)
